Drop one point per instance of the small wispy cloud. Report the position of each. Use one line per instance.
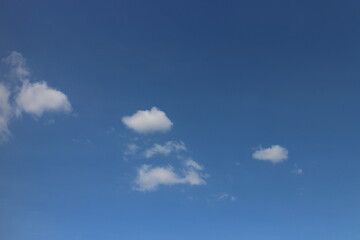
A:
(18, 67)
(224, 196)
(165, 149)
(192, 164)
(131, 149)
(148, 121)
(274, 154)
(297, 170)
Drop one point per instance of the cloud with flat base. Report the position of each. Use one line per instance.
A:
(149, 178)
(274, 154)
(37, 98)
(148, 121)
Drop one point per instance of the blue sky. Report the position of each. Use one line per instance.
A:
(179, 120)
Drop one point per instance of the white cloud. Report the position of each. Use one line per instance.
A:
(5, 113)
(166, 149)
(147, 121)
(193, 177)
(192, 164)
(150, 178)
(37, 98)
(274, 154)
(24, 96)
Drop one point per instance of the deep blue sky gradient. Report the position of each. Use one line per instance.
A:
(231, 75)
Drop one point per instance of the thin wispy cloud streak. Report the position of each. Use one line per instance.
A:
(165, 149)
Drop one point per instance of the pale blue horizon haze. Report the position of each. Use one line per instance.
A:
(169, 120)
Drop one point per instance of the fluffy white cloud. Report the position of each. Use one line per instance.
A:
(5, 113)
(37, 98)
(149, 178)
(147, 121)
(166, 149)
(274, 154)
(24, 96)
